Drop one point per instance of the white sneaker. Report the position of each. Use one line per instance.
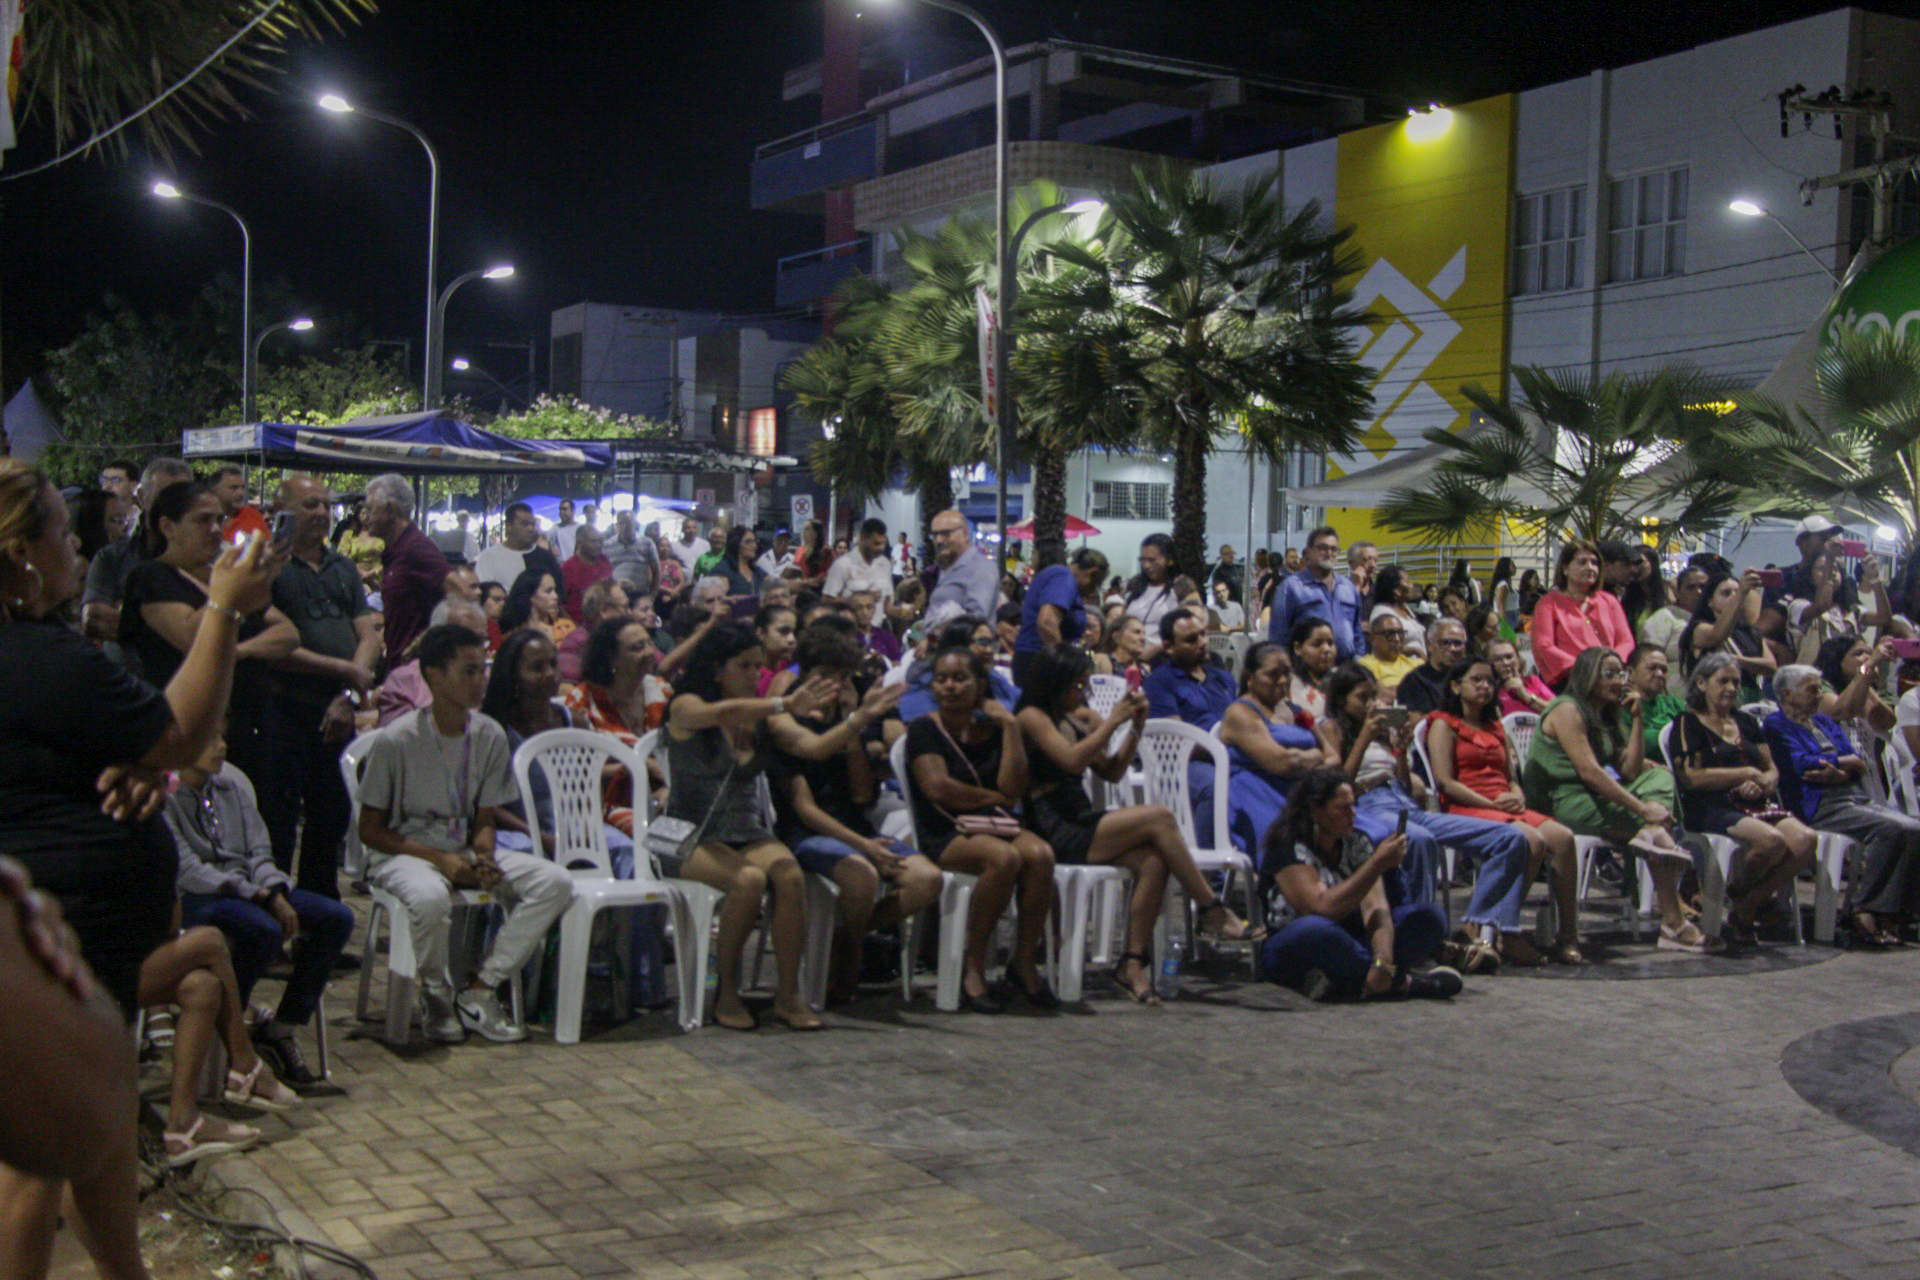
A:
(480, 1011)
(439, 1020)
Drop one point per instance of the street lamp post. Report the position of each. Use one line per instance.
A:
(1749, 209)
(340, 106)
(167, 191)
(439, 326)
(299, 324)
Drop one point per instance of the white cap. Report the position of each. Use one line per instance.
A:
(1815, 524)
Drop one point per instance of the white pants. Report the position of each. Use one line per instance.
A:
(534, 892)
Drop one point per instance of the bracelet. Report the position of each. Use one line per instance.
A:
(214, 606)
(780, 706)
(1388, 966)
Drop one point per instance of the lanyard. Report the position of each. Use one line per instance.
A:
(460, 809)
(209, 819)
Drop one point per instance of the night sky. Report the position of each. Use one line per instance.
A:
(603, 145)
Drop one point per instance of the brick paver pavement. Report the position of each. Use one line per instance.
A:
(1627, 1129)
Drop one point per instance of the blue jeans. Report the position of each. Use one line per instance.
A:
(1336, 949)
(254, 938)
(818, 854)
(1500, 849)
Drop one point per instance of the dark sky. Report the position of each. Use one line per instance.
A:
(603, 145)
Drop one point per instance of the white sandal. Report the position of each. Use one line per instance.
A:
(185, 1148)
(243, 1090)
(158, 1027)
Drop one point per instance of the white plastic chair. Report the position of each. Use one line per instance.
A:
(1166, 747)
(1761, 710)
(956, 896)
(353, 858)
(1872, 745)
(573, 761)
(1717, 868)
(1897, 758)
(1520, 727)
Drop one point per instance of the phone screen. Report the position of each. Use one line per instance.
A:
(1133, 679)
(283, 527)
(1400, 828)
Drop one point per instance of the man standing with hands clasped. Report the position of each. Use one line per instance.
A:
(433, 780)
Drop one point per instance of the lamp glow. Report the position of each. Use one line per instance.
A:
(1886, 533)
(335, 103)
(1430, 125)
(1746, 209)
(301, 325)
(462, 364)
(1087, 208)
(500, 272)
(166, 191)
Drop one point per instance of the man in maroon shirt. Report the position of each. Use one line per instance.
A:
(415, 578)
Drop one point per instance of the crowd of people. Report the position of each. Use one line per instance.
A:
(188, 669)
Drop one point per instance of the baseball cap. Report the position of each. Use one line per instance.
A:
(1815, 524)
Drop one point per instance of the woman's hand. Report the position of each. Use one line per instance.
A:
(1392, 851)
(815, 694)
(1512, 800)
(1654, 814)
(885, 861)
(1749, 582)
(1630, 703)
(997, 713)
(1374, 725)
(1131, 707)
(131, 792)
(242, 577)
(882, 698)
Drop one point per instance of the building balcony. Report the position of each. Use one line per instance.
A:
(788, 172)
(885, 202)
(805, 278)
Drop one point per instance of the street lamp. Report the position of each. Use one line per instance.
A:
(460, 364)
(167, 191)
(338, 105)
(299, 325)
(437, 331)
(1002, 416)
(1748, 209)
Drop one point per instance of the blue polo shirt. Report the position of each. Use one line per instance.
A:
(1174, 692)
(1302, 595)
(1054, 585)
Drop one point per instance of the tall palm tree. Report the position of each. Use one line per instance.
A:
(1230, 315)
(1581, 456)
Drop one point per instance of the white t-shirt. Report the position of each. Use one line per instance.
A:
(561, 537)
(421, 778)
(1906, 712)
(1232, 616)
(1150, 606)
(854, 572)
(502, 564)
(688, 553)
(770, 566)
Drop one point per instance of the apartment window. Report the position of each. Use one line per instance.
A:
(1131, 500)
(762, 427)
(1647, 225)
(1549, 243)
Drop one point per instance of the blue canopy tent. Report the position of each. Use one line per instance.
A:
(410, 443)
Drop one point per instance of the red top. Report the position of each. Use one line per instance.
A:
(243, 522)
(579, 575)
(414, 582)
(1483, 764)
(1563, 629)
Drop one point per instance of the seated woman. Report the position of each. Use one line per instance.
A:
(534, 601)
(1093, 641)
(1315, 654)
(822, 805)
(523, 695)
(1343, 936)
(1064, 740)
(1727, 781)
(1820, 776)
(1270, 744)
(1647, 671)
(776, 626)
(611, 698)
(1519, 690)
(1483, 628)
(1588, 768)
(1126, 645)
(716, 750)
(968, 768)
(1477, 776)
(1851, 669)
(1377, 754)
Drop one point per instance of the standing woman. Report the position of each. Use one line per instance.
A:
(967, 770)
(1315, 655)
(79, 802)
(1646, 592)
(812, 557)
(1152, 595)
(1065, 739)
(1270, 743)
(1393, 595)
(1530, 593)
(1577, 615)
(1503, 595)
(737, 562)
(1725, 622)
(1462, 581)
(166, 598)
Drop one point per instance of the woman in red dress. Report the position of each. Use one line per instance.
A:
(1477, 776)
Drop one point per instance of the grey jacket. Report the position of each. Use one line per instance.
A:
(242, 864)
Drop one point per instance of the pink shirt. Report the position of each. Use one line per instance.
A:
(1509, 704)
(1563, 629)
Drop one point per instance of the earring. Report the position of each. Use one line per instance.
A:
(20, 602)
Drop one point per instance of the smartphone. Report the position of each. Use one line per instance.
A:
(1133, 680)
(1398, 716)
(1851, 548)
(1773, 578)
(282, 528)
(1400, 827)
(1905, 650)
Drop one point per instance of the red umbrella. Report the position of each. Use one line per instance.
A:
(1076, 528)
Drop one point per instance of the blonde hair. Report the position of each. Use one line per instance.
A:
(24, 512)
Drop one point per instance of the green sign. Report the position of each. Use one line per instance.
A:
(1885, 296)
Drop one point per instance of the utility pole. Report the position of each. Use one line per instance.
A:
(1872, 111)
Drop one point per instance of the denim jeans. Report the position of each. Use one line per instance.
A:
(1306, 943)
(1499, 848)
(254, 937)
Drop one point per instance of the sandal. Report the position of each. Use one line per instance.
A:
(809, 1021)
(1518, 950)
(1237, 930)
(1688, 938)
(1869, 934)
(1145, 964)
(159, 1028)
(185, 1148)
(1644, 845)
(1567, 953)
(258, 1089)
(1469, 956)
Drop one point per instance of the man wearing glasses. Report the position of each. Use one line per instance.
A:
(968, 585)
(1425, 687)
(1318, 592)
(1389, 661)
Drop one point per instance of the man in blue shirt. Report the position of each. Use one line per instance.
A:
(1186, 686)
(1318, 592)
(1054, 610)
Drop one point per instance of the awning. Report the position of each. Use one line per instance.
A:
(411, 443)
(1413, 470)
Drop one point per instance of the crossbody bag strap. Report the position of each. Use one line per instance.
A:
(964, 759)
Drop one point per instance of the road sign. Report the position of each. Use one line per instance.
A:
(745, 501)
(802, 508)
(703, 498)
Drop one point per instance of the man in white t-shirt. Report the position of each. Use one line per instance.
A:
(689, 546)
(560, 536)
(867, 567)
(506, 560)
(777, 556)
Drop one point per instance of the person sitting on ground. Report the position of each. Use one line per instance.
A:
(822, 808)
(1648, 673)
(712, 719)
(1341, 933)
(1727, 787)
(1270, 742)
(534, 601)
(228, 880)
(1424, 688)
(1820, 773)
(1064, 740)
(1577, 615)
(1724, 622)
(1588, 767)
(1386, 658)
(587, 565)
(879, 641)
(967, 770)
(1519, 692)
(1477, 776)
(1315, 655)
(432, 784)
(1850, 669)
(776, 628)
(604, 600)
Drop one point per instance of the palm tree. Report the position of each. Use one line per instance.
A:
(89, 65)
(1215, 313)
(1613, 457)
(1861, 452)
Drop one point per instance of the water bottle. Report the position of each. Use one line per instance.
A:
(1167, 986)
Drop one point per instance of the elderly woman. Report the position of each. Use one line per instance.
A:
(1727, 787)
(1820, 776)
(1588, 768)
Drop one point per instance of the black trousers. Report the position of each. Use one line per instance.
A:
(302, 797)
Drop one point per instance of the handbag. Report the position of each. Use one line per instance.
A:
(995, 822)
(672, 840)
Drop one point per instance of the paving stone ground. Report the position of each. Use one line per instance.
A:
(1608, 1129)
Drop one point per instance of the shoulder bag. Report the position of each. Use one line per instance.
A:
(995, 822)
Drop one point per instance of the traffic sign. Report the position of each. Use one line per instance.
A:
(703, 498)
(802, 508)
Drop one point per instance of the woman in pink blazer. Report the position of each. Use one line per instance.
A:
(1577, 615)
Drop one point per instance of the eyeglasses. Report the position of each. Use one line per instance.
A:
(1456, 642)
(1396, 633)
(944, 533)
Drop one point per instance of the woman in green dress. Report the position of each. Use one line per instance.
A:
(1595, 724)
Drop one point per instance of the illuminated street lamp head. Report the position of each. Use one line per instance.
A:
(1430, 124)
(335, 103)
(500, 272)
(461, 364)
(166, 191)
(1746, 209)
(301, 325)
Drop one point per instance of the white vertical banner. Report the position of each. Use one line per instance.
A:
(745, 500)
(989, 330)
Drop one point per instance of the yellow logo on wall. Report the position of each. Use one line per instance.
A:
(1430, 200)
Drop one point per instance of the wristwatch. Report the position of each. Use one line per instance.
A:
(780, 706)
